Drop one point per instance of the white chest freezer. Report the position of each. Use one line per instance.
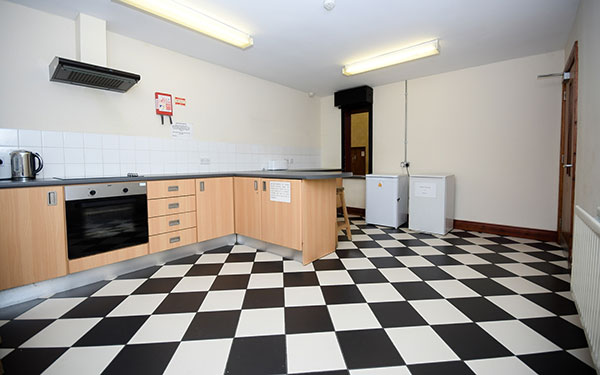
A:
(431, 203)
(386, 200)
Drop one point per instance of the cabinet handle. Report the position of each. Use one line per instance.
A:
(264, 185)
(173, 205)
(173, 223)
(173, 188)
(51, 198)
(255, 185)
(201, 185)
(174, 239)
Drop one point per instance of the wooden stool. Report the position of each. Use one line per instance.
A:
(344, 225)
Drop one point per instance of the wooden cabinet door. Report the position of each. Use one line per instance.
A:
(214, 207)
(247, 206)
(281, 221)
(33, 244)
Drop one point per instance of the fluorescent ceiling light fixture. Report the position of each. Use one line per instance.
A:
(392, 58)
(191, 18)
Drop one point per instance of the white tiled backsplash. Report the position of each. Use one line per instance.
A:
(68, 154)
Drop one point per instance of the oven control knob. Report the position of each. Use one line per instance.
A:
(125, 190)
(92, 192)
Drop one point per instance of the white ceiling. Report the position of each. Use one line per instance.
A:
(301, 45)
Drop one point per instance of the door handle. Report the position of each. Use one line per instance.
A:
(173, 188)
(201, 185)
(567, 165)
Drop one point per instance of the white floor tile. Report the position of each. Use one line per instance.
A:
(294, 266)
(139, 304)
(265, 280)
(261, 322)
(452, 289)
(334, 278)
(398, 275)
(162, 328)
(212, 258)
(61, 333)
(357, 263)
(209, 355)
(426, 250)
(172, 271)
(420, 345)
(242, 249)
(379, 292)
(375, 252)
(314, 352)
(263, 256)
(469, 259)
(396, 370)
(352, 316)
(303, 296)
(520, 307)
(494, 366)
(517, 337)
(194, 284)
(439, 311)
(414, 261)
(51, 308)
(223, 300)
(520, 285)
(521, 269)
(236, 268)
(119, 288)
(390, 243)
(462, 272)
(83, 360)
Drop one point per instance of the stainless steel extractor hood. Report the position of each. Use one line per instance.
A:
(94, 76)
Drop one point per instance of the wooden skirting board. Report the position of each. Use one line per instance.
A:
(506, 230)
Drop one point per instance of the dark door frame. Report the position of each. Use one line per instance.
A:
(347, 112)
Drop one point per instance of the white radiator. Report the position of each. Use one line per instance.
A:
(585, 277)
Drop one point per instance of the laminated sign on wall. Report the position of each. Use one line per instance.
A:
(280, 191)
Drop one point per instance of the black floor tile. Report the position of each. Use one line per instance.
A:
(487, 287)
(307, 319)
(350, 253)
(213, 325)
(558, 363)
(16, 332)
(559, 331)
(549, 268)
(159, 285)
(386, 262)
(205, 269)
(30, 361)
(228, 282)
(94, 307)
(144, 359)
(240, 257)
(13, 311)
(480, 309)
(339, 294)
(431, 273)
(366, 244)
(186, 260)
(396, 314)
(221, 250)
(368, 348)
(401, 251)
(263, 298)
(367, 276)
(551, 283)
(82, 291)
(112, 331)
(257, 355)
(300, 279)
(446, 368)
(140, 274)
(469, 341)
(492, 270)
(328, 264)
(554, 303)
(267, 267)
(496, 258)
(176, 303)
(451, 249)
(416, 290)
(442, 260)
(413, 243)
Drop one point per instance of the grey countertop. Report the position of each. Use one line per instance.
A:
(292, 174)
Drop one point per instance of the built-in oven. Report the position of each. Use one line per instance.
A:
(105, 217)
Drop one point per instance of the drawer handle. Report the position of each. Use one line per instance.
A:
(201, 185)
(174, 239)
(173, 205)
(173, 223)
(173, 188)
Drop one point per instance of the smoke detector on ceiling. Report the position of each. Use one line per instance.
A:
(329, 4)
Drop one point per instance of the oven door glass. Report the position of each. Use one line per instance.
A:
(99, 225)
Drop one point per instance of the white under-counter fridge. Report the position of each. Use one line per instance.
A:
(386, 200)
(431, 203)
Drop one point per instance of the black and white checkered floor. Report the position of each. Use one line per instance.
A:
(389, 302)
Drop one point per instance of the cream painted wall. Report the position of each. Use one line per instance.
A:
(496, 127)
(223, 105)
(586, 31)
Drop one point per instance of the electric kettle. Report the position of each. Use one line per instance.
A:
(23, 164)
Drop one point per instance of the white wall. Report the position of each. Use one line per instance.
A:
(223, 105)
(586, 31)
(496, 127)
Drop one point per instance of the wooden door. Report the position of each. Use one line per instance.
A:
(281, 220)
(33, 243)
(214, 207)
(247, 206)
(568, 153)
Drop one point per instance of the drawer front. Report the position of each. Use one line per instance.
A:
(170, 223)
(172, 240)
(170, 188)
(170, 206)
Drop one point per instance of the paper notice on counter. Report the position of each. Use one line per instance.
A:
(280, 191)
(425, 189)
(181, 130)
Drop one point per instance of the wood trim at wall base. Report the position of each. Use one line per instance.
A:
(356, 211)
(506, 230)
